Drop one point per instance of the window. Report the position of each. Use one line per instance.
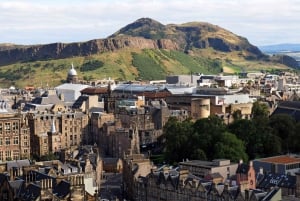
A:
(7, 141)
(16, 154)
(1, 156)
(7, 155)
(16, 140)
(1, 128)
(15, 126)
(1, 142)
(7, 126)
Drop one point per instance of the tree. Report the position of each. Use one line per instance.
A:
(259, 110)
(284, 127)
(208, 131)
(229, 146)
(178, 140)
(246, 131)
(237, 115)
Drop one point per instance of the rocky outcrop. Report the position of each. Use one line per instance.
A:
(62, 50)
(286, 60)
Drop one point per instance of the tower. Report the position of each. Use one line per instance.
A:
(72, 75)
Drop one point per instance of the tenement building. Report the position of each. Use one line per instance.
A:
(14, 137)
(52, 132)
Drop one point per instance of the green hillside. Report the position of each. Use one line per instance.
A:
(122, 65)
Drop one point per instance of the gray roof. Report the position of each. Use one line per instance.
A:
(18, 163)
(138, 88)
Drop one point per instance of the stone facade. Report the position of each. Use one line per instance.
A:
(71, 129)
(203, 168)
(14, 137)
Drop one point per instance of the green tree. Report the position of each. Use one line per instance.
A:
(246, 131)
(177, 137)
(284, 126)
(208, 131)
(237, 115)
(259, 110)
(229, 146)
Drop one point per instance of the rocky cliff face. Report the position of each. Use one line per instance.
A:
(62, 50)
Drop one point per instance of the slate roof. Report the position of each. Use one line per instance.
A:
(31, 192)
(291, 108)
(17, 163)
(46, 99)
(62, 189)
(78, 103)
(280, 180)
(17, 186)
(3, 177)
(270, 194)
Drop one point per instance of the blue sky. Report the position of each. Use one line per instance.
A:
(263, 22)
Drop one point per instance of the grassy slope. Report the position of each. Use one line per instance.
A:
(233, 62)
(126, 64)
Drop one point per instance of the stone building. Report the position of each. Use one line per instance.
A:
(203, 168)
(71, 130)
(14, 137)
(166, 183)
(196, 106)
(97, 120)
(135, 166)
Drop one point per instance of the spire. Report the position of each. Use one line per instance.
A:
(53, 130)
(135, 142)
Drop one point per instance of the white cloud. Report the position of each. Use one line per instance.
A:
(33, 21)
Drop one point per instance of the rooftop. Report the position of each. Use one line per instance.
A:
(281, 159)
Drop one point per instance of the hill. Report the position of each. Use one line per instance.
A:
(280, 48)
(144, 49)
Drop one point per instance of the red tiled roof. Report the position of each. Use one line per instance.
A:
(94, 90)
(282, 159)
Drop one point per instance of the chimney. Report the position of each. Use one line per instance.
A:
(11, 174)
(261, 170)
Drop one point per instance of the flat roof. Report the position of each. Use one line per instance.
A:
(281, 159)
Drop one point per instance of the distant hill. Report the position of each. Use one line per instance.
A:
(144, 49)
(280, 48)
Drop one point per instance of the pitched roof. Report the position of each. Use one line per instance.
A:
(291, 108)
(284, 159)
(95, 90)
(17, 163)
(62, 189)
(280, 180)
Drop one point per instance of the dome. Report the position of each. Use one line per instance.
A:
(72, 71)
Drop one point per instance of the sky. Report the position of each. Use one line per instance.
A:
(262, 22)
